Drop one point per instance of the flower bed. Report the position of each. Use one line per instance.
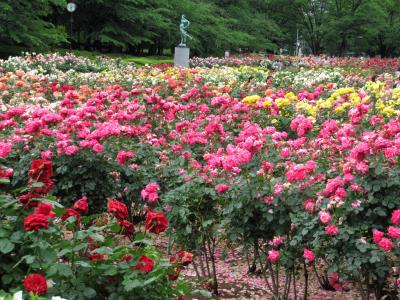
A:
(299, 169)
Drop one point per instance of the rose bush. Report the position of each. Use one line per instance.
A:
(49, 250)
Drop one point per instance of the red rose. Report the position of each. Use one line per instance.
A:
(97, 257)
(41, 170)
(45, 188)
(175, 273)
(156, 222)
(145, 264)
(92, 243)
(35, 221)
(35, 283)
(126, 258)
(185, 257)
(6, 174)
(118, 209)
(127, 227)
(26, 200)
(81, 205)
(70, 212)
(45, 209)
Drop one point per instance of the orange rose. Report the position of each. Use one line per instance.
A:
(19, 73)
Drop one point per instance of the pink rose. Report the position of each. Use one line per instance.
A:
(308, 255)
(278, 188)
(385, 244)
(377, 235)
(325, 217)
(331, 230)
(396, 216)
(394, 232)
(273, 256)
(285, 152)
(221, 188)
(310, 206)
(150, 192)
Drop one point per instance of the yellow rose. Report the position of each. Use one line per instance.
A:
(251, 99)
(282, 102)
(267, 103)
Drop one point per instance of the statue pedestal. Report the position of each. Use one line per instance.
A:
(181, 57)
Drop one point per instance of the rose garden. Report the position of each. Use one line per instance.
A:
(157, 182)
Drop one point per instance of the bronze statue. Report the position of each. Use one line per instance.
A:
(183, 28)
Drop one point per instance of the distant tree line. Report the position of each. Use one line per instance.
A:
(151, 27)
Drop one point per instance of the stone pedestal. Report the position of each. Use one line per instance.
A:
(226, 53)
(181, 57)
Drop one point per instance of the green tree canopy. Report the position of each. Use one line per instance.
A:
(151, 26)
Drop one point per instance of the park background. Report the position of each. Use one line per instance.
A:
(150, 27)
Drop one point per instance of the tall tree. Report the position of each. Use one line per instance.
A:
(27, 23)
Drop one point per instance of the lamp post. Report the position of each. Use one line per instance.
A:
(71, 7)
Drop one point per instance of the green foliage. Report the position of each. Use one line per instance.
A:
(88, 175)
(62, 253)
(151, 27)
(26, 23)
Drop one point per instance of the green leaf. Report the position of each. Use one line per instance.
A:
(37, 184)
(115, 228)
(129, 284)
(111, 271)
(29, 259)
(103, 250)
(61, 269)
(4, 181)
(83, 264)
(89, 293)
(6, 279)
(6, 246)
(3, 233)
(63, 252)
(152, 279)
(80, 247)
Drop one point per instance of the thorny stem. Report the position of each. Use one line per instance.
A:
(206, 258)
(294, 285)
(317, 275)
(196, 269)
(305, 282)
(274, 284)
(277, 276)
(211, 252)
(361, 290)
(287, 281)
(257, 254)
